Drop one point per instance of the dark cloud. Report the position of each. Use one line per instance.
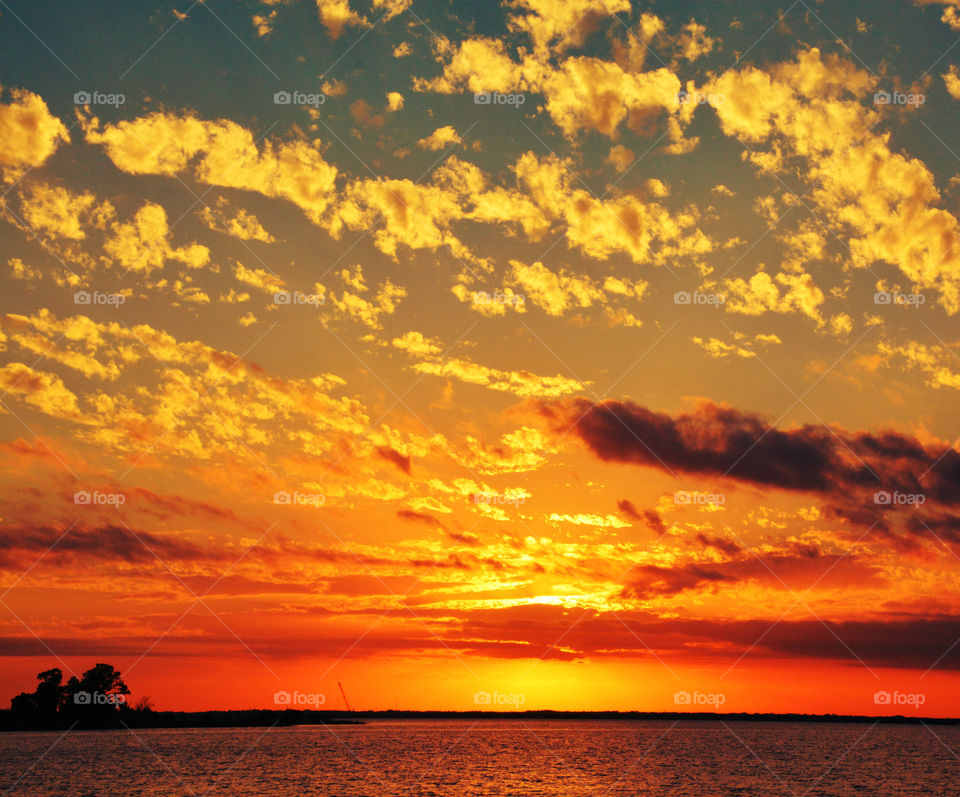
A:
(396, 458)
(648, 517)
(846, 468)
(728, 547)
(420, 517)
(649, 581)
(715, 440)
(628, 510)
(107, 542)
(795, 566)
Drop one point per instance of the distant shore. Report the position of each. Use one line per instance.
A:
(258, 718)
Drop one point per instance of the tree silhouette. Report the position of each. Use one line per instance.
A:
(48, 698)
(102, 685)
(98, 697)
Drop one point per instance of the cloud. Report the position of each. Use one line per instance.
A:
(646, 231)
(258, 278)
(363, 114)
(337, 15)
(587, 519)
(719, 349)
(788, 566)
(784, 293)
(61, 212)
(717, 441)
(515, 452)
(935, 362)
(29, 133)
(555, 292)
(240, 223)
(416, 345)
(743, 347)
(556, 25)
(220, 153)
(105, 543)
(523, 384)
(558, 292)
(401, 211)
(808, 115)
(263, 23)
(143, 245)
(41, 390)
(419, 517)
(621, 157)
(479, 64)
(628, 509)
(951, 79)
(243, 407)
(951, 11)
(368, 312)
(396, 458)
(582, 93)
(593, 94)
(393, 7)
(441, 138)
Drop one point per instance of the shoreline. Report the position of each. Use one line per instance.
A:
(258, 718)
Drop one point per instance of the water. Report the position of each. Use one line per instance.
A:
(511, 757)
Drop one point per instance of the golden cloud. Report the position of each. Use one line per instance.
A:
(221, 153)
(240, 223)
(29, 133)
(62, 213)
(337, 14)
(785, 293)
(556, 25)
(809, 114)
(441, 138)
(144, 244)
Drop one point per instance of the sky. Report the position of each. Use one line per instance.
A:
(541, 354)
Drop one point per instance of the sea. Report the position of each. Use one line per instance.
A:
(463, 757)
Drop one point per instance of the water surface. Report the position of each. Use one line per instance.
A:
(461, 758)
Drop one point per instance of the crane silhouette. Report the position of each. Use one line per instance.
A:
(344, 694)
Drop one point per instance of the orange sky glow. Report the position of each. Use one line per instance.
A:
(585, 356)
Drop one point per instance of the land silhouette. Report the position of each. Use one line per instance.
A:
(98, 700)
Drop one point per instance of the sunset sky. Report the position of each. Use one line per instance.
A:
(576, 350)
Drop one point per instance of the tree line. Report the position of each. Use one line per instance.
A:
(99, 698)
